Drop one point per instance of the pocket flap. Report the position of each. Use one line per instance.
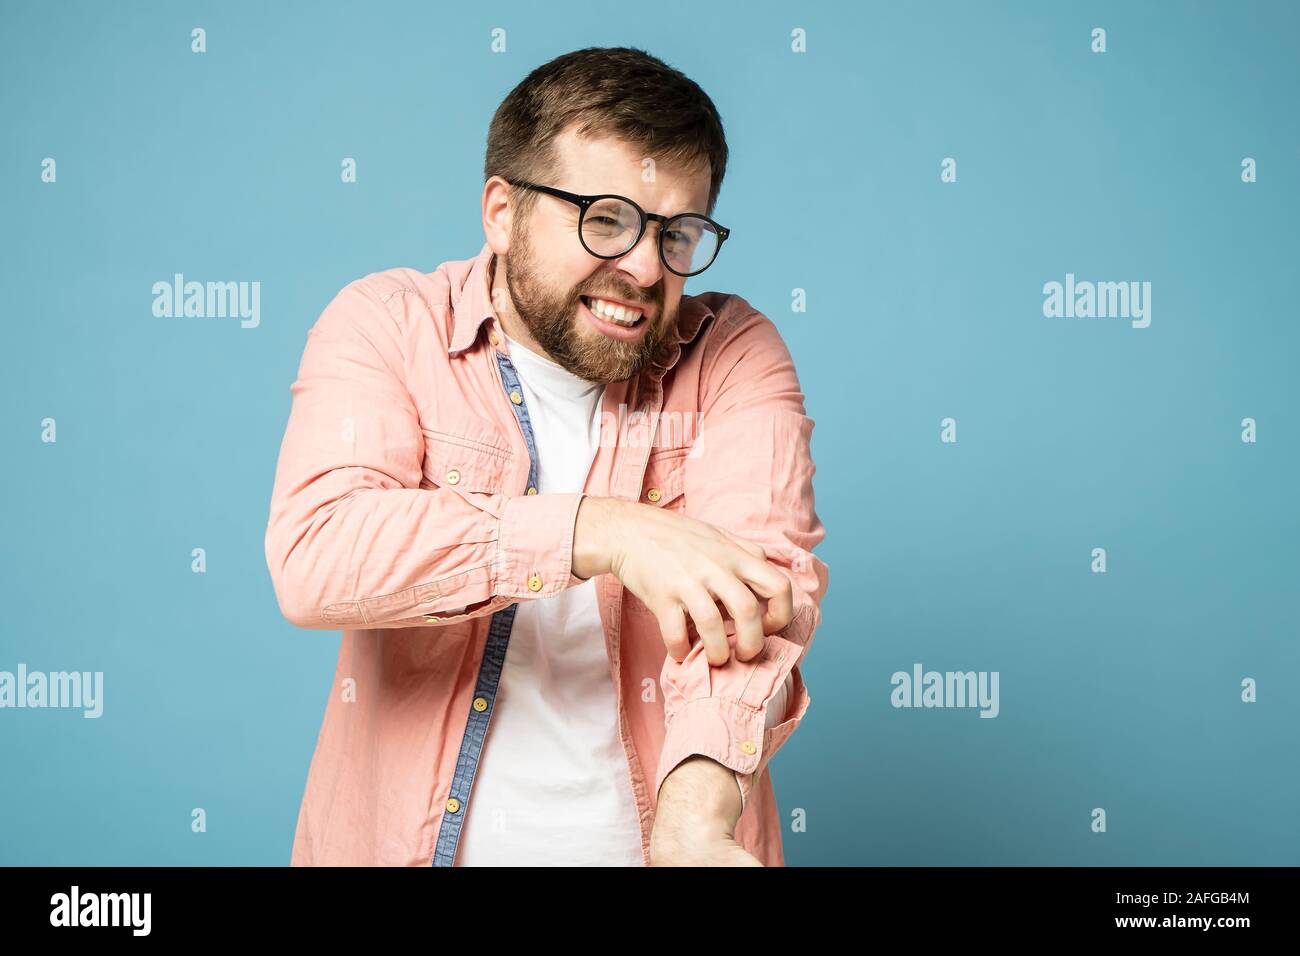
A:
(665, 476)
(451, 461)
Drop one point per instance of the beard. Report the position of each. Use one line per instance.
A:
(553, 320)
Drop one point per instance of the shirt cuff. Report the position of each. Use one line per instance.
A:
(729, 731)
(535, 545)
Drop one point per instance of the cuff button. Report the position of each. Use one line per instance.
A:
(748, 747)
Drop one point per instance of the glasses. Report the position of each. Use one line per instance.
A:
(610, 226)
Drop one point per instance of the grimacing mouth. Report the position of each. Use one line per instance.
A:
(587, 300)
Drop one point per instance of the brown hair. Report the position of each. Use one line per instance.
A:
(621, 92)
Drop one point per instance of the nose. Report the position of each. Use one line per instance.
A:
(642, 262)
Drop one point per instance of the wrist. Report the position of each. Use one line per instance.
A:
(701, 789)
(594, 536)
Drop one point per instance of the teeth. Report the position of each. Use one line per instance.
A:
(615, 313)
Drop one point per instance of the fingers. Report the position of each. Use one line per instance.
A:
(672, 625)
(767, 581)
(708, 624)
(710, 574)
(779, 611)
(744, 609)
(754, 593)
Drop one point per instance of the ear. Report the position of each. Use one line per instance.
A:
(498, 214)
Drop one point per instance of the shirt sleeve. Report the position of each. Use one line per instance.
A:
(752, 476)
(352, 539)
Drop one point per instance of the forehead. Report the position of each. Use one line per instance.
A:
(604, 164)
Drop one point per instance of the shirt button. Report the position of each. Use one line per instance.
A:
(535, 583)
(480, 704)
(431, 619)
(748, 746)
(516, 397)
(453, 805)
(654, 494)
(532, 491)
(492, 337)
(453, 477)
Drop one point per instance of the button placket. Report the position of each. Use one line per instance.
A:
(493, 661)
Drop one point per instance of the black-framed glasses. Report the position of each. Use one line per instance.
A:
(610, 226)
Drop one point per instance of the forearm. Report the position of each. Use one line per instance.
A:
(377, 521)
(348, 560)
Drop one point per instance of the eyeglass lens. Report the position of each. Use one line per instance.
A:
(610, 229)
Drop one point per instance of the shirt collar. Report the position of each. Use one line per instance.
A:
(473, 306)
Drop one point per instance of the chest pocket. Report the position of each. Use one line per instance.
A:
(464, 464)
(665, 479)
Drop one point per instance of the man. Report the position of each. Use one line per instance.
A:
(544, 491)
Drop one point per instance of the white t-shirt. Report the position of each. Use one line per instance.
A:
(553, 786)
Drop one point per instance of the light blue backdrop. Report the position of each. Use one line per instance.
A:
(1119, 690)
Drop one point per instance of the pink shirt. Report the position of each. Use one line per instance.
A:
(401, 515)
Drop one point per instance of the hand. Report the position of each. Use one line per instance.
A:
(678, 565)
(695, 823)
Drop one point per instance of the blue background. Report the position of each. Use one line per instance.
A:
(1118, 690)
